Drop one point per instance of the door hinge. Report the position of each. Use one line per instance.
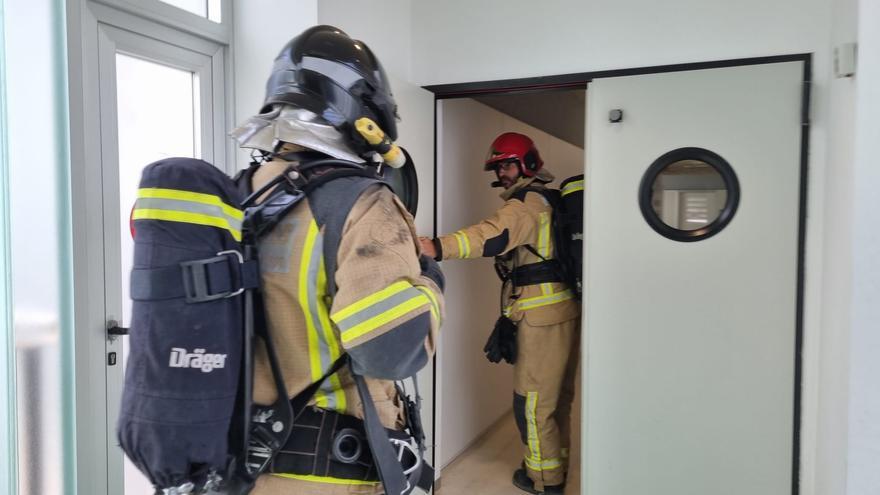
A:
(805, 104)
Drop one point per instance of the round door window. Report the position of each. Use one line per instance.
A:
(689, 194)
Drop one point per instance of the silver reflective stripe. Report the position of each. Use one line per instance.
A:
(341, 74)
(378, 308)
(189, 207)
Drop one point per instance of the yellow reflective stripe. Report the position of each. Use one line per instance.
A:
(208, 199)
(533, 465)
(311, 331)
(534, 441)
(370, 300)
(571, 187)
(325, 479)
(539, 301)
(464, 244)
(435, 307)
(460, 245)
(534, 460)
(544, 247)
(544, 236)
(330, 336)
(385, 317)
(543, 465)
(186, 217)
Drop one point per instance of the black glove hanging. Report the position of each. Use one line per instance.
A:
(502, 342)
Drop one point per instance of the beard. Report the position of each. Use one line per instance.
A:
(506, 182)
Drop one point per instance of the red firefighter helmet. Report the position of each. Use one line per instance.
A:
(512, 146)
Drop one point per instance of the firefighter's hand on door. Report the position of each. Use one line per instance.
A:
(427, 247)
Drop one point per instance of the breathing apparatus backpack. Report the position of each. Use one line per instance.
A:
(567, 223)
(187, 420)
(568, 231)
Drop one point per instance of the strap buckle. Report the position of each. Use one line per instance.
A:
(195, 277)
(410, 460)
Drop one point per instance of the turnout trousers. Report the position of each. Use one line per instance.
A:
(544, 386)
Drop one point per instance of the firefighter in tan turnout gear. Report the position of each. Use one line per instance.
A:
(379, 303)
(540, 326)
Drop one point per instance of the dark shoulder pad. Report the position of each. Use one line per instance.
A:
(543, 191)
(331, 203)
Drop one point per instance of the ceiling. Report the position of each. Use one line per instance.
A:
(560, 113)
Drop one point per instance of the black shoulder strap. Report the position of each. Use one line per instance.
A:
(551, 195)
(521, 194)
(331, 203)
(244, 178)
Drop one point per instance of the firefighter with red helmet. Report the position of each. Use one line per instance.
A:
(539, 329)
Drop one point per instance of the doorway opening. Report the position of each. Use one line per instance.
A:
(635, 116)
(478, 444)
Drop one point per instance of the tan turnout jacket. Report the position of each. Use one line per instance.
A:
(381, 292)
(512, 227)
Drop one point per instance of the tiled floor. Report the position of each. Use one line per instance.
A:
(486, 468)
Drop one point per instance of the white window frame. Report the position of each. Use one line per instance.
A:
(175, 17)
(96, 30)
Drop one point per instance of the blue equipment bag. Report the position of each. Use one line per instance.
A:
(187, 419)
(186, 346)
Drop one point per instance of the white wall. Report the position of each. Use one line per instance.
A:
(864, 434)
(260, 29)
(826, 405)
(474, 393)
(461, 40)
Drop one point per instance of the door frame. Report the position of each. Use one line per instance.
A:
(92, 27)
(582, 80)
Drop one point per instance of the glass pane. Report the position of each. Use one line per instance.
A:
(215, 12)
(209, 9)
(689, 195)
(39, 244)
(8, 452)
(158, 118)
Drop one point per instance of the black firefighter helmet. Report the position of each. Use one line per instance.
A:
(325, 71)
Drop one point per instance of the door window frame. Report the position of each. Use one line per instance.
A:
(96, 31)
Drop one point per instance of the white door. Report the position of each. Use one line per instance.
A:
(158, 100)
(690, 345)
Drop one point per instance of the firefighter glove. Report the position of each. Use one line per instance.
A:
(502, 342)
